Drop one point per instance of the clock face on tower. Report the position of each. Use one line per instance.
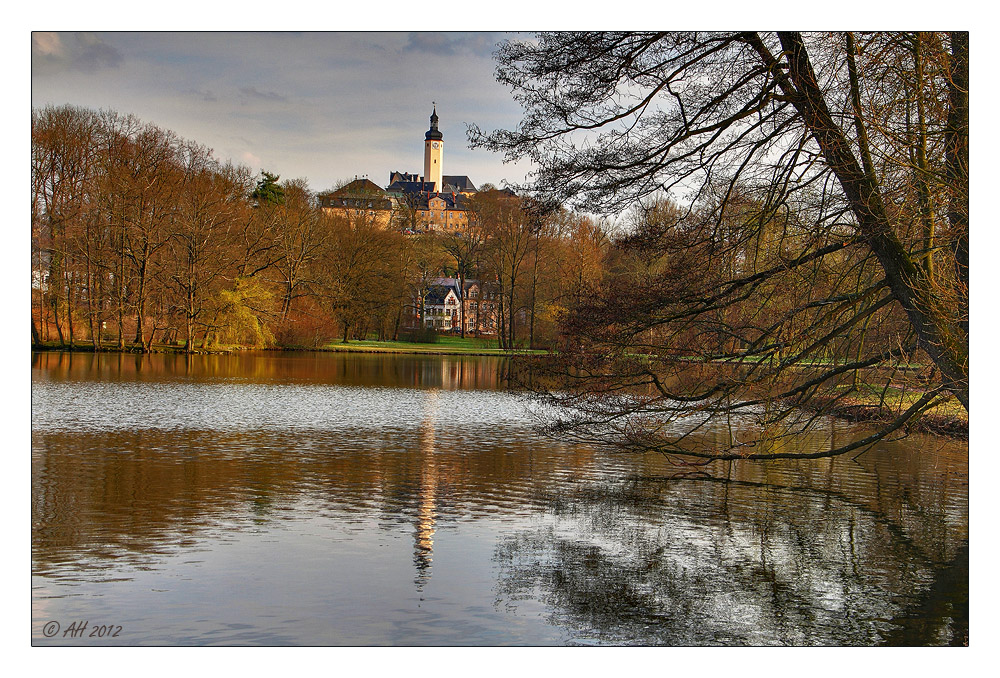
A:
(435, 144)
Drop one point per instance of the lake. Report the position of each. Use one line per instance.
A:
(273, 498)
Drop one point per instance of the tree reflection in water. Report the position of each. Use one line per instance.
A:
(700, 561)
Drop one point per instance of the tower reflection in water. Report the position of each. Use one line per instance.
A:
(423, 537)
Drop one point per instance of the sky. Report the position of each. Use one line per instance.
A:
(322, 106)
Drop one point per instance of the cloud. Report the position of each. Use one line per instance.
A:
(93, 53)
(450, 44)
(250, 159)
(368, 116)
(48, 54)
(87, 53)
(45, 43)
(203, 94)
(254, 93)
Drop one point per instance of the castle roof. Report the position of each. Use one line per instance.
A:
(458, 182)
(395, 176)
(359, 194)
(411, 186)
(358, 187)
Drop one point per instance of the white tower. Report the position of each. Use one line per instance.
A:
(433, 153)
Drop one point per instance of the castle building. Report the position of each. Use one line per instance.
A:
(412, 203)
(431, 202)
(362, 202)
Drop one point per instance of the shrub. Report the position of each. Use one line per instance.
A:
(419, 335)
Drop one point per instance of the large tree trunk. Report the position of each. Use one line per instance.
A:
(957, 158)
(939, 334)
(921, 167)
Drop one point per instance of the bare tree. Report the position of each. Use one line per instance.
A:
(300, 239)
(62, 171)
(809, 246)
(508, 227)
(466, 250)
(359, 272)
(209, 213)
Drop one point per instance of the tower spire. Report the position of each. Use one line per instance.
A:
(434, 132)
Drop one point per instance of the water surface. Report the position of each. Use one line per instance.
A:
(332, 499)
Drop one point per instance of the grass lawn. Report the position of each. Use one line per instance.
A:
(444, 344)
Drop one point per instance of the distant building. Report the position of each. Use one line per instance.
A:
(361, 201)
(446, 307)
(417, 203)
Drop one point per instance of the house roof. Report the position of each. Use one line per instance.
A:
(452, 284)
(436, 294)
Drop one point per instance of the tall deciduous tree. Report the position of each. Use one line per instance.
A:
(300, 237)
(466, 250)
(359, 272)
(808, 166)
(210, 212)
(508, 227)
(63, 161)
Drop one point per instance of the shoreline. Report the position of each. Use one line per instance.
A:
(134, 350)
(943, 425)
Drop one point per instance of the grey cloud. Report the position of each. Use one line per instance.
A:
(48, 54)
(449, 44)
(92, 54)
(204, 95)
(87, 52)
(254, 93)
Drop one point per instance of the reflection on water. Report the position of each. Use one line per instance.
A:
(426, 515)
(308, 499)
(787, 556)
